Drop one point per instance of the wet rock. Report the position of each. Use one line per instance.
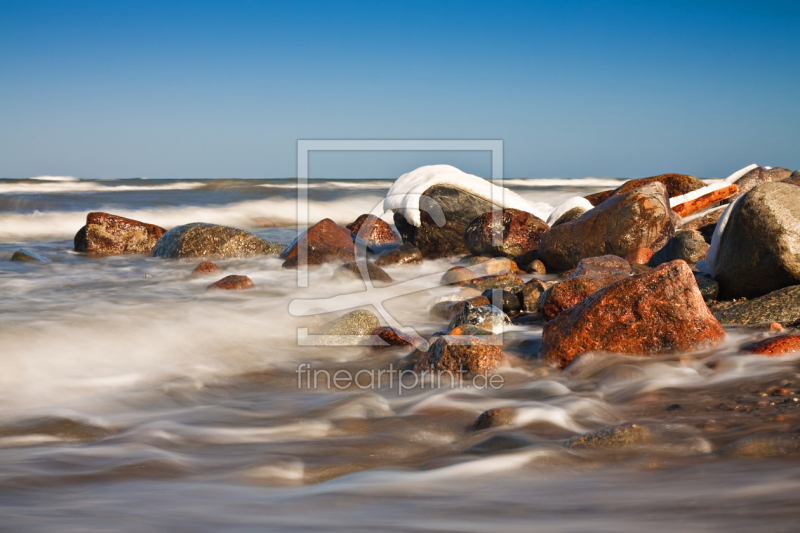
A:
(688, 245)
(450, 308)
(709, 288)
(406, 254)
(472, 331)
(531, 295)
(320, 254)
(705, 224)
(232, 283)
(457, 276)
(492, 418)
(505, 280)
(573, 214)
(573, 290)
(518, 232)
(509, 302)
(530, 262)
(758, 251)
(112, 234)
(599, 197)
(760, 175)
(650, 313)
(468, 356)
(611, 437)
(758, 447)
(635, 219)
(484, 317)
(492, 265)
(24, 255)
(347, 330)
(206, 268)
(209, 240)
(62, 428)
(676, 184)
(351, 271)
(782, 305)
(325, 233)
(639, 256)
(782, 345)
(794, 179)
(393, 338)
(375, 232)
(605, 264)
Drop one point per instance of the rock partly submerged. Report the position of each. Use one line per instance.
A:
(324, 242)
(111, 234)
(23, 255)
(461, 355)
(232, 283)
(348, 330)
(515, 231)
(375, 232)
(211, 241)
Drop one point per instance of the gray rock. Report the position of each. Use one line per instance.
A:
(759, 250)
(212, 241)
(573, 214)
(351, 271)
(688, 245)
(347, 330)
(27, 255)
(484, 317)
(782, 305)
(406, 254)
(760, 175)
(709, 288)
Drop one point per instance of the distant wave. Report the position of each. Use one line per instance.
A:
(66, 186)
(322, 184)
(54, 178)
(564, 182)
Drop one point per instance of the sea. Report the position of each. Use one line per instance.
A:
(131, 399)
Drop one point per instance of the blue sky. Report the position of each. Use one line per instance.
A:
(225, 89)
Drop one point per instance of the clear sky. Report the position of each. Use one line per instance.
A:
(224, 89)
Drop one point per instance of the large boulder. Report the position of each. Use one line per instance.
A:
(654, 312)
(375, 232)
(517, 232)
(211, 241)
(325, 233)
(574, 290)
(759, 250)
(676, 184)
(112, 234)
(640, 218)
(782, 305)
(760, 175)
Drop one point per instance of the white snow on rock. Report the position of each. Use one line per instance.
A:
(709, 265)
(404, 195)
(733, 178)
(570, 203)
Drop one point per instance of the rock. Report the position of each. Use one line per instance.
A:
(650, 313)
(518, 232)
(758, 446)
(688, 245)
(760, 175)
(457, 276)
(393, 338)
(206, 268)
(468, 356)
(450, 308)
(526, 261)
(709, 288)
(209, 240)
(492, 265)
(794, 179)
(484, 317)
(758, 251)
(775, 327)
(351, 271)
(459, 208)
(605, 264)
(705, 224)
(509, 302)
(775, 346)
(573, 214)
(598, 198)
(319, 254)
(635, 219)
(505, 280)
(563, 295)
(24, 255)
(611, 437)
(531, 294)
(325, 233)
(112, 234)
(347, 330)
(471, 331)
(639, 256)
(676, 184)
(376, 233)
(492, 418)
(232, 283)
(406, 254)
(782, 305)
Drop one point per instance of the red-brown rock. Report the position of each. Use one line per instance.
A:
(232, 283)
(775, 346)
(654, 312)
(325, 233)
(406, 254)
(112, 234)
(375, 231)
(505, 280)
(319, 254)
(206, 268)
(518, 233)
(461, 355)
(392, 337)
(604, 264)
(573, 290)
(450, 308)
(639, 256)
(457, 276)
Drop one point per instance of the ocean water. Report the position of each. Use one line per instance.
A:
(132, 400)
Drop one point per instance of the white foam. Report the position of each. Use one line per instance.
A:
(571, 203)
(733, 178)
(709, 265)
(405, 193)
(66, 186)
(54, 178)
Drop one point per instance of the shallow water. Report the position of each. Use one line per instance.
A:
(132, 400)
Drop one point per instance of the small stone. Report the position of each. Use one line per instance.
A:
(775, 346)
(375, 232)
(348, 330)
(352, 271)
(450, 308)
(509, 302)
(24, 255)
(232, 283)
(604, 264)
(325, 233)
(468, 356)
(688, 245)
(406, 254)
(393, 338)
(775, 328)
(709, 288)
(531, 294)
(206, 268)
(457, 276)
(639, 256)
(499, 416)
(505, 280)
(485, 317)
(611, 437)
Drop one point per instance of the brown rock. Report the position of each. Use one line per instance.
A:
(450, 308)
(199, 239)
(599, 197)
(375, 231)
(531, 294)
(519, 232)
(569, 292)
(457, 276)
(461, 355)
(112, 234)
(688, 245)
(406, 254)
(499, 416)
(319, 254)
(232, 283)
(568, 216)
(324, 233)
(775, 346)
(392, 337)
(760, 175)
(505, 280)
(351, 271)
(775, 327)
(205, 268)
(605, 264)
(470, 330)
(492, 265)
(639, 256)
(640, 218)
(650, 313)
(676, 184)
